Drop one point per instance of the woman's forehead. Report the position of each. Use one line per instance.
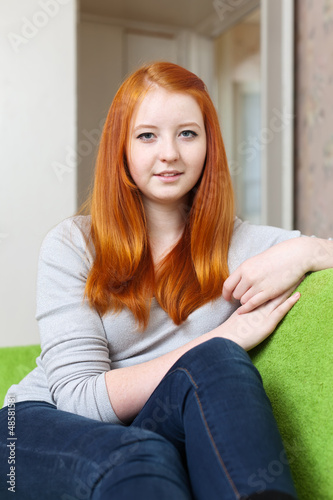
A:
(161, 104)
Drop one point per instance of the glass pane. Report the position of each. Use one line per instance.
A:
(249, 155)
(238, 102)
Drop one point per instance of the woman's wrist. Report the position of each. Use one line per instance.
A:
(311, 254)
(226, 331)
(320, 254)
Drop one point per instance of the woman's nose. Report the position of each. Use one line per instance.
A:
(169, 151)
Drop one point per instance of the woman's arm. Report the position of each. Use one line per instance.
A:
(129, 388)
(277, 269)
(75, 352)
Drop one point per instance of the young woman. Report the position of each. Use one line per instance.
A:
(144, 388)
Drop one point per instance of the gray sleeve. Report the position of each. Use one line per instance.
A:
(251, 239)
(75, 354)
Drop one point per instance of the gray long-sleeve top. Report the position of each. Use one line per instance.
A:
(79, 346)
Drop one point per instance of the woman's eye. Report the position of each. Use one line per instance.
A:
(188, 134)
(146, 136)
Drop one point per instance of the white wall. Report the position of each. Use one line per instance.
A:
(100, 71)
(37, 132)
(143, 47)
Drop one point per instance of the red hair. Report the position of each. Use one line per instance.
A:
(193, 272)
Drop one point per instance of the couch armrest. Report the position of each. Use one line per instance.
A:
(296, 364)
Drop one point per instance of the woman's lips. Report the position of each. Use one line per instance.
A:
(168, 176)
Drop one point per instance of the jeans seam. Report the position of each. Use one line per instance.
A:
(232, 484)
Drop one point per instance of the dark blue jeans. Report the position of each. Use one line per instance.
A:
(206, 433)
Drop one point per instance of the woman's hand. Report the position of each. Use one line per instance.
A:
(250, 329)
(270, 273)
(282, 267)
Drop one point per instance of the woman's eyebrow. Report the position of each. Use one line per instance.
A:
(144, 125)
(189, 124)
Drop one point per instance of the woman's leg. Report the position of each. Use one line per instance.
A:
(212, 406)
(61, 456)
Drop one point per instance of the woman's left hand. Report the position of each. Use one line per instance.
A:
(272, 272)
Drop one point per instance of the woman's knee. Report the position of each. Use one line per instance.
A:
(145, 446)
(221, 348)
(214, 352)
(147, 466)
(219, 363)
(140, 453)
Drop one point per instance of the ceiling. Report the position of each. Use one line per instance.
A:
(185, 13)
(189, 14)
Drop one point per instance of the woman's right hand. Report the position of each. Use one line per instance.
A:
(249, 329)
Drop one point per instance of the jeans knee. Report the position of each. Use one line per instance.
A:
(156, 449)
(216, 350)
(220, 347)
(150, 467)
(218, 355)
(138, 452)
(143, 453)
(138, 445)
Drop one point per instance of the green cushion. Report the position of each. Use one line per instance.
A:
(16, 363)
(296, 365)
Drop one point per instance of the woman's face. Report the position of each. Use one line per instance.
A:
(167, 146)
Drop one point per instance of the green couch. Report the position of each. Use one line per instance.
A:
(296, 364)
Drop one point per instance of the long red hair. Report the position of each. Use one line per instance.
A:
(193, 272)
